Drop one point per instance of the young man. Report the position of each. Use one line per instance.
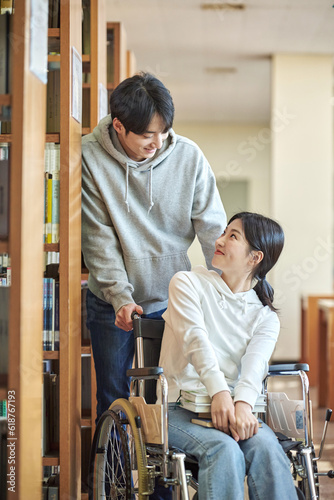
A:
(146, 194)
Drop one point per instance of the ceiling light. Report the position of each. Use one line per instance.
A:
(220, 70)
(222, 5)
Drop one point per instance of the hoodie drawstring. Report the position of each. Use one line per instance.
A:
(127, 188)
(151, 189)
(150, 183)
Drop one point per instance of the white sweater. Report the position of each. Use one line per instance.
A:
(214, 338)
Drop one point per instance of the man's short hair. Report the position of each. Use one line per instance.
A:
(137, 99)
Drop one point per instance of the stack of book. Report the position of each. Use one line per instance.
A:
(196, 401)
(200, 402)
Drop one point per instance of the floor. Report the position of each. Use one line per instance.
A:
(327, 460)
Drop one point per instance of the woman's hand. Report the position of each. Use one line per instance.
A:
(246, 423)
(123, 316)
(223, 414)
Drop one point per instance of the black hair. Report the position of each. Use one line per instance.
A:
(137, 99)
(265, 235)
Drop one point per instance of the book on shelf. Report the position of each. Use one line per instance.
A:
(4, 53)
(54, 14)
(51, 192)
(53, 100)
(3, 408)
(3, 459)
(50, 485)
(86, 26)
(5, 68)
(50, 413)
(50, 314)
(86, 403)
(5, 270)
(7, 6)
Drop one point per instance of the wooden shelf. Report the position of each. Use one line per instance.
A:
(85, 58)
(5, 99)
(86, 349)
(52, 138)
(51, 247)
(53, 32)
(54, 58)
(4, 246)
(3, 393)
(50, 354)
(86, 422)
(51, 460)
(5, 137)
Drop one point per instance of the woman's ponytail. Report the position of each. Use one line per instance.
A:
(265, 292)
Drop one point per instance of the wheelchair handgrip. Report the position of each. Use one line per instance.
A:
(290, 367)
(150, 371)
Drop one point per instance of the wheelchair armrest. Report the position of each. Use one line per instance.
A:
(291, 367)
(150, 371)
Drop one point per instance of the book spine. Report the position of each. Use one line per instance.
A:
(55, 167)
(56, 316)
(45, 336)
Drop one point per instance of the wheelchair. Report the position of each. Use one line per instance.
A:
(130, 450)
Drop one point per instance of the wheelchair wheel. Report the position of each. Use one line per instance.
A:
(118, 468)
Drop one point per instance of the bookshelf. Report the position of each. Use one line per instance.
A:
(24, 382)
(69, 257)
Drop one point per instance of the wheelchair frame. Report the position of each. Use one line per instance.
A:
(126, 464)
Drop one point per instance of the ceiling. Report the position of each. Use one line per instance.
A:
(217, 63)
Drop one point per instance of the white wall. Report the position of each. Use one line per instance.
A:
(244, 152)
(235, 152)
(302, 184)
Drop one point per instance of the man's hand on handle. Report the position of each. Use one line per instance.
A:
(123, 316)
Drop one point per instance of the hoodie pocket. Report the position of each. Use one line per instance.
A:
(150, 276)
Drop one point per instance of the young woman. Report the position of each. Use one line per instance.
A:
(220, 333)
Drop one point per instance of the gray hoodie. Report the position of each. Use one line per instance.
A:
(139, 221)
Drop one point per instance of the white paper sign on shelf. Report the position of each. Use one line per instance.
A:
(103, 101)
(76, 108)
(39, 17)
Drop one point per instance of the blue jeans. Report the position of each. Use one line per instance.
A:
(224, 463)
